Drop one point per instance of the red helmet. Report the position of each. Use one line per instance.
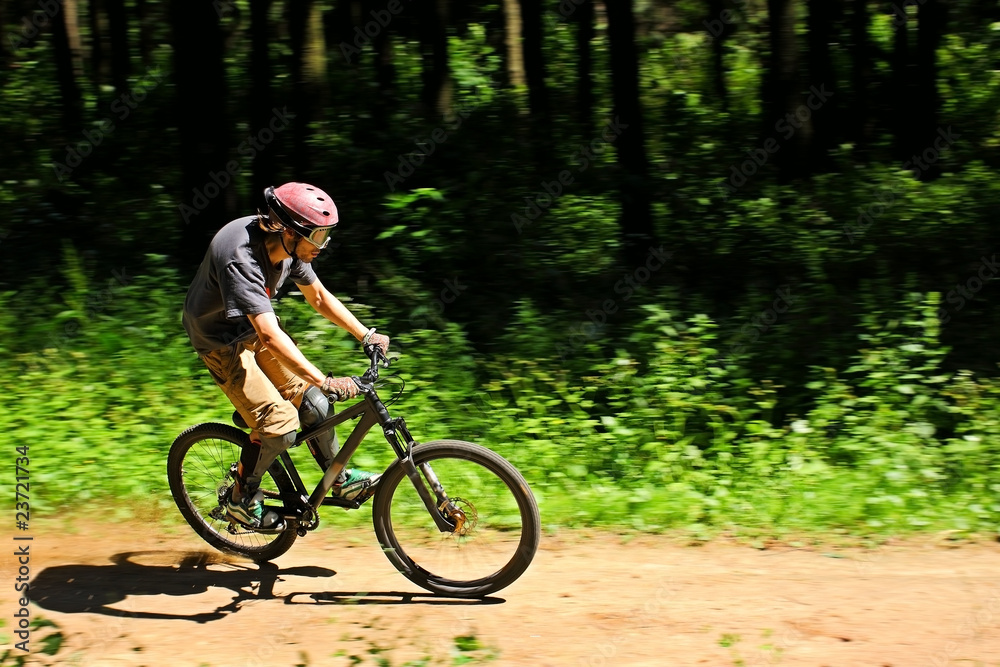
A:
(306, 209)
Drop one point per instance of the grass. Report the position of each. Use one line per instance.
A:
(466, 650)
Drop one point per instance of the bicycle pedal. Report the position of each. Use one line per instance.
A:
(353, 504)
(237, 527)
(274, 530)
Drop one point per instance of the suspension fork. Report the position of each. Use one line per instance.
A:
(394, 429)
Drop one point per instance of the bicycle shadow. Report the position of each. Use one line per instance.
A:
(95, 589)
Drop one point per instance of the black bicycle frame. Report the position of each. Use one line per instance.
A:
(371, 411)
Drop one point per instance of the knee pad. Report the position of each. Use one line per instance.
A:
(315, 407)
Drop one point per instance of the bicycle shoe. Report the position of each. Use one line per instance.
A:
(356, 485)
(250, 512)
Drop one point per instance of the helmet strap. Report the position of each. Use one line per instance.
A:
(290, 253)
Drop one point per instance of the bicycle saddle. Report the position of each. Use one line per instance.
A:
(239, 421)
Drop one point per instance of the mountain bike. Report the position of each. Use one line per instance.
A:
(453, 517)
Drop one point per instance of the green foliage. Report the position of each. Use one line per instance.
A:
(868, 404)
(666, 431)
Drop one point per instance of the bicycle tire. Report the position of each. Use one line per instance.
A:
(444, 454)
(205, 452)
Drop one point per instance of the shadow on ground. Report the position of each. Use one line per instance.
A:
(93, 589)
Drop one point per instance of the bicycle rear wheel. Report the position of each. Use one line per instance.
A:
(500, 526)
(200, 470)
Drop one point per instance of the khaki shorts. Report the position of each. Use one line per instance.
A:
(264, 392)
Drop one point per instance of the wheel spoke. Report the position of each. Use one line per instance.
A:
(488, 543)
(204, 474)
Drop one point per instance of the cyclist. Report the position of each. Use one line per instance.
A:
(231, 324)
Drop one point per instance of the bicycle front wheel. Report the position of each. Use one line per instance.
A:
(496, 533)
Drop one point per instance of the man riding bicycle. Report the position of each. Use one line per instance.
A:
(231, 324)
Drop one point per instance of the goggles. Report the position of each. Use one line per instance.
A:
(318, 236)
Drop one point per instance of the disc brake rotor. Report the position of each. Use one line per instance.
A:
(464, 515)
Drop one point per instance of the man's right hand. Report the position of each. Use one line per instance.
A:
(344, 388)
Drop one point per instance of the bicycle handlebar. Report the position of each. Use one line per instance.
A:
(374, 354)
(376, 357)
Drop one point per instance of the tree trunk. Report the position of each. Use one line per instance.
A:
(821, 75)
(71, 10)
(143, 11)
(65, 48)
(901, 85)
(385, 76)
(719, 30)
(118, 27)
(780, 83)
(534, 61)
(932, 19)
(459, 11)
(298, 14)
(308, 69)
(385, 69)
(98, 29)
(260, 93)
(338, 28)
(514, 51)
(436, 95)
(201, 121)
(8, 43)
(860, 74)
(584, 81)
(636, 221)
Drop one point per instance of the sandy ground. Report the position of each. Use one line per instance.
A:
(136, 594)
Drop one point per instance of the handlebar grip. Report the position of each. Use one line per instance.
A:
(374, 353)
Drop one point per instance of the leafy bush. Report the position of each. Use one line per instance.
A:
(657, 429)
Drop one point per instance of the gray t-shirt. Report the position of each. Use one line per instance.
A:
(235, 280)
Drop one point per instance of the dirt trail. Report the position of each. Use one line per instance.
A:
(122, 595)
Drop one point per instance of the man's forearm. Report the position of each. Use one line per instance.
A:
(332, 309)
(286, 352)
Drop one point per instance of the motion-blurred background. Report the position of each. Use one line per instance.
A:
(713, 265)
